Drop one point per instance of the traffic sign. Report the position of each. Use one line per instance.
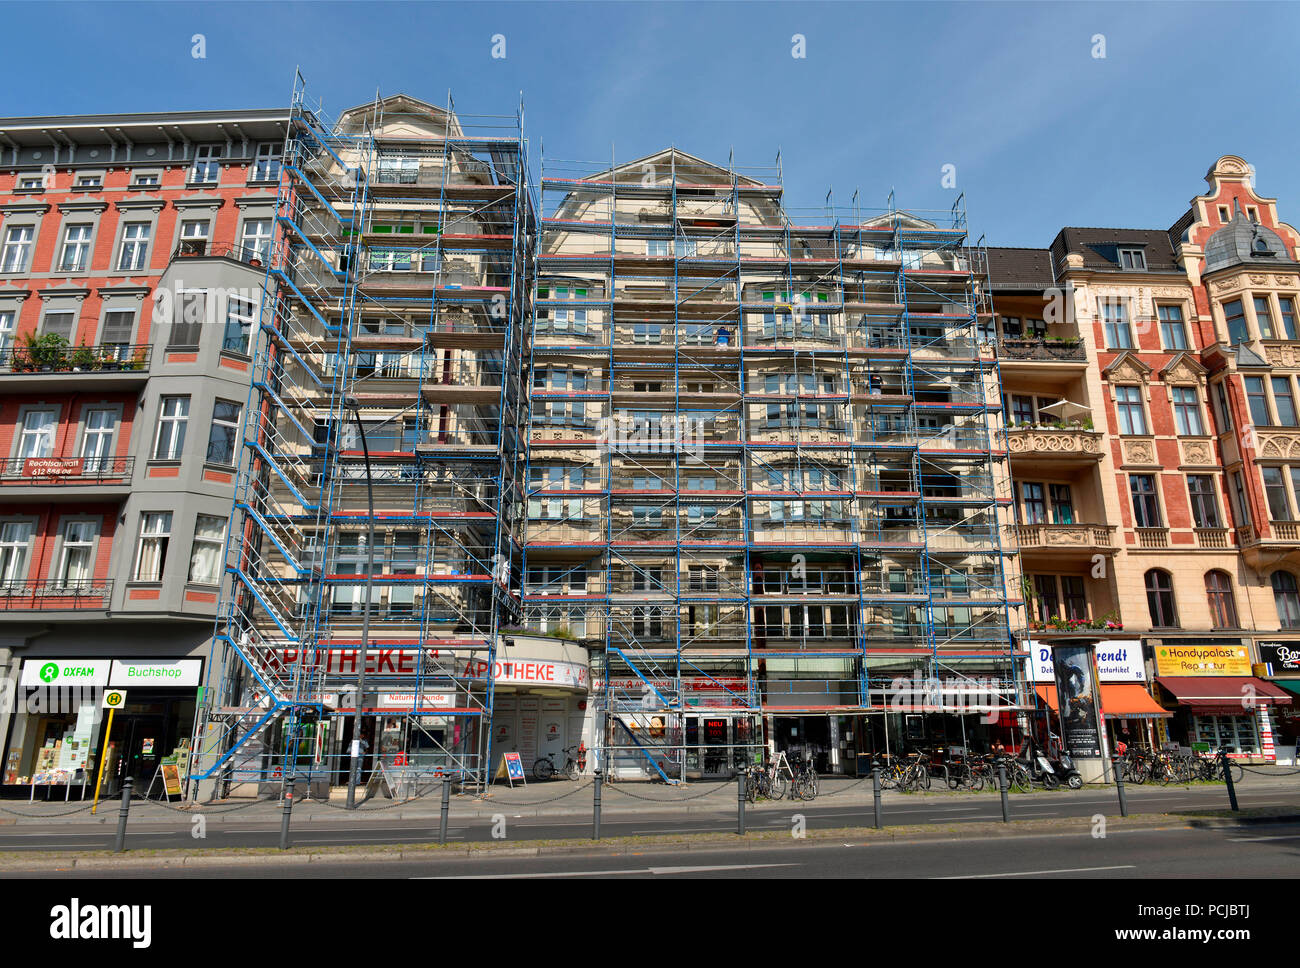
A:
(114, 698)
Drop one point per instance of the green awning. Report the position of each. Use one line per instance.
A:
(1290, 685)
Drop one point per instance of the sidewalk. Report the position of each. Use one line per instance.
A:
(563, 798)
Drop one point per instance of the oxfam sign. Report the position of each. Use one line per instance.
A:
(66, 673)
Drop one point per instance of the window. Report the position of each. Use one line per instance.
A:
(15, 540)
(1132, 417)
(6, 335)
(36, 439)
(97, 440)
(90, 181)
(1146, 509)
(1187, 412)
(1048, 601)
(1160, 599)
(257, 240)
(205, 552)
(1279, 507)
(76, 561)
(173, 415)
(135, 247)
(1205, 508)
(1022, 409)
(1034, 503)
(1223, 610)
(1239, 499)
(395, 169)
(151, 551)
(1286, 598)
(224, 432)
(145, 180)
(1172, 331)
(31, 183)
(191, 312)
(1235, 318)
(1076, 603)
(656, 247)
(1115, 318)
(1062, 504)
(1263, 318)
(1284, 401)
(1132, 259)
(240, 316)
(1286, 305)
(266, 164)
(119, 330)
(17, 250)
(1258, 400)
(76, 249)
(59, 324)
(194, 237)
(1225, 415)
(207, 165)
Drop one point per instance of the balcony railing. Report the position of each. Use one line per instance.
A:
(1212, 537)
(1065, 535)
(54, 595)
(47, 471)
(64, 358)
(1049, 350)
(1152, 537)
(253, 255)
(1054, 442)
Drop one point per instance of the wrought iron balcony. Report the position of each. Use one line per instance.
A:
(54, 595)
(1046, 350)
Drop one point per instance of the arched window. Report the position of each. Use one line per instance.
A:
(1218, 589)
(1160, 599)
(1287, 599)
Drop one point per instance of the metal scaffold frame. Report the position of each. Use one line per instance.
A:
(840, 408)
(387, 399)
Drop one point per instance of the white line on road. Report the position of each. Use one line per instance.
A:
(1256, 840)
(1063, 870)
(638, 870)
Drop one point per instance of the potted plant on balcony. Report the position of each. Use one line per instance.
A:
(136, 362)
(45, 352)
(83, 358)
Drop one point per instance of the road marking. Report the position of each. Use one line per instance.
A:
(1063, 870)
(1256, 840)
(639, 870)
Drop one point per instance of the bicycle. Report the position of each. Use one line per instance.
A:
(916, 776)
(544, 767)
(805, 785)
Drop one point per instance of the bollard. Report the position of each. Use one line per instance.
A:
(595, 808)
(285, 814)
(1119, 786)
(875, 791)
(1002, 786)
(1227, 779)
(740, 804)
(446, 809)
(119, 842)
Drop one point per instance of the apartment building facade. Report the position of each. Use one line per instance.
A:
(1176, 521)
(132, 254)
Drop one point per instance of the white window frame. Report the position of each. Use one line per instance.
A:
(17, 253)
(78, 248)
(133, 251)
(175, 424)
(155, 532)
(96, 457)
(79, 534)
(206, 169)
(15, 546)
(27, 433)
(213, 542)
(266, 162)
(233, 425)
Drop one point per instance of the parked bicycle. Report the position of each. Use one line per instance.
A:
(805, 786)
(544, 767)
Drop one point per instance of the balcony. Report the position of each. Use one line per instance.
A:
(249, 255)
(1042, 350)
(52, 596)
(48, 362)
(1064, 539)
(1152, 537)
(1056, 443)
(1281, 548)
(36, 475)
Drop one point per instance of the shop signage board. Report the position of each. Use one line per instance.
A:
(513, 765)
(1118, 660)
(1202, 660)
(52, 466)
(65, 673)
(1282, 658)
(1076, 690)
(155, 673)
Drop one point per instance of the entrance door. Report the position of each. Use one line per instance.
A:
(143, 749)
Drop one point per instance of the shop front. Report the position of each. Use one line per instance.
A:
(1215, 699)
(58, 733)
(542, 701)
(1279, 663)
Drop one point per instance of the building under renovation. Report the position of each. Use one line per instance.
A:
(638, 458)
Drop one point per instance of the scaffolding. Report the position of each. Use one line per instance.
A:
(766, 467)
(388, 397)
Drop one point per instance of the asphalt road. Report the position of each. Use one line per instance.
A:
(1248, 851)
(823, 814)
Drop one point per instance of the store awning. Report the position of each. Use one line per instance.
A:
(1222, 695)
(1121, 700)
(1290, 685)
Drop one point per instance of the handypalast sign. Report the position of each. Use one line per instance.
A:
(1202, 660)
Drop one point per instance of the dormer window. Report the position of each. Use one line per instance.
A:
(1260, 247)
(1132, 259)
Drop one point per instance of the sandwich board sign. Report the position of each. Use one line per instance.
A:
(513, 767)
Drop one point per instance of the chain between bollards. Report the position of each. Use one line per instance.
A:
(446, 809)
(1119, 787)
(1002, 787)
(287, 812)
(875, 791)
(119, 842)
(595, 807)
(1227, 780)
(740, 804)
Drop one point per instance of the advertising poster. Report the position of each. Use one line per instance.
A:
(1076, 690)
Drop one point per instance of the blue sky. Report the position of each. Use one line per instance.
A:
(1041, 132)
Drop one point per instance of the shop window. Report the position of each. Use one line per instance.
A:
(1160, 599)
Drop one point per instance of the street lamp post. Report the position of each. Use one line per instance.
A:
(354, 771)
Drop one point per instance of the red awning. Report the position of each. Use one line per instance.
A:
(1121, 700)
(1222, 695)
